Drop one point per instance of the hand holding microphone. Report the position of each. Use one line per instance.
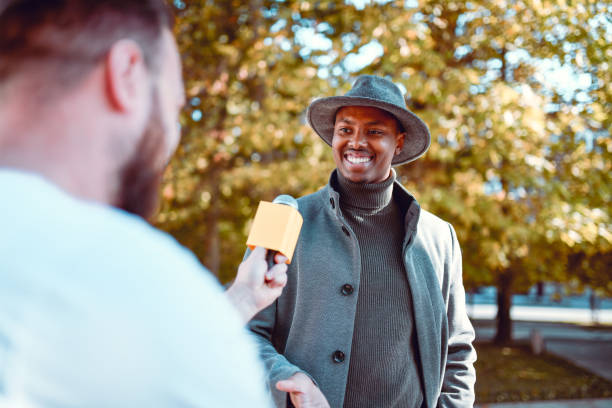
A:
(272, 239)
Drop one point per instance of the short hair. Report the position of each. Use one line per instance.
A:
(70, 37)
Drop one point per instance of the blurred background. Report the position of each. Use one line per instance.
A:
(517, 95)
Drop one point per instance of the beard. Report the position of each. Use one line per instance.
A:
(140, 177)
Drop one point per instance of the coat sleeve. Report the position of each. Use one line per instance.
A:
(459, 375)
(277, 366)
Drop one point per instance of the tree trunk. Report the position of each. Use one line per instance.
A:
(213, 241)
(213, 252)
(504, 303)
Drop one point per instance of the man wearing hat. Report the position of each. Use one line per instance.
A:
(374, 312)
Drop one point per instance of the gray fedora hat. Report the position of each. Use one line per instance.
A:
(377, 92)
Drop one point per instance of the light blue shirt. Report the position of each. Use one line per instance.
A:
(99, 309)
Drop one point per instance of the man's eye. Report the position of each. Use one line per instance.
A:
(375, 132)
(344, 130)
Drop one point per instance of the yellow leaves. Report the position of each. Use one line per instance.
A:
(539, 163)
(220, 85)
(243, 73)
(220, 157)
(317, 150)
(605, 231)
(570, 237)
(495, 158)
(507, 94)
(440, 23)
(501, 257)
(226, 190)
(486, 129)
(590, 232)
(227, 50)
(608, 145)
(599, 113)
(205, 197)
(508, 118)
(522, 251)
(379, 30)
(433, 64)
(576, 171)
(432, 87)
(535, 120)
(491, 175)
(411, 34)
(578, 125)
(168, 192)
(470, 182)
(472, 76)
(542, 9)
(580, 224)
(562, 4)
(195, 88)
(201, 163)
(310, 72)
(492, 256)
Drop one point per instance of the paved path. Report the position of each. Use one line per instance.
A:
(583, 403)
(594, 356)
(542, 313)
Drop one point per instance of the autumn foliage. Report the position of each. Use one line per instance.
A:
(516, 93)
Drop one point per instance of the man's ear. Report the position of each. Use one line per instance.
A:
(126, 75)
(400, 139)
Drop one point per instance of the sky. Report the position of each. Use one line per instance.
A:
(553, 74)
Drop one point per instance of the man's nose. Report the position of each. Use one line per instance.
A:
(358, 139)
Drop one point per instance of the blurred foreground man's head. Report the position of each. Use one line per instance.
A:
(90, 92)
(97, 308)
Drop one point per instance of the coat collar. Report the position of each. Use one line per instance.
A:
(405, 200)
(427, 305)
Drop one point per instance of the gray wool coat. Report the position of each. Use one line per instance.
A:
(314, 318)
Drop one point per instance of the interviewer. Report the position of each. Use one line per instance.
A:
(97, 308)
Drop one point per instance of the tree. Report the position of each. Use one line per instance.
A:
(518, 168)
(519, 164)
(244, 139)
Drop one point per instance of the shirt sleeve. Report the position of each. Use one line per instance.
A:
(276, 365)
(124, 317)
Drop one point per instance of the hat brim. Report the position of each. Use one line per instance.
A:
(321, 117)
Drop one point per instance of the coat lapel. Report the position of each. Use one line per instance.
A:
(427, 305)
(427, 324)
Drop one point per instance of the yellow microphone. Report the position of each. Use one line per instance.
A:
(276, 227)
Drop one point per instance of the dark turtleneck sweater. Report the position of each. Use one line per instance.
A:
(383, 369)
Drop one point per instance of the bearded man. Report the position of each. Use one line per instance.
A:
(374, 313)
(97, 308)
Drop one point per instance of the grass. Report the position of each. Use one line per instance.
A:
(513, 373)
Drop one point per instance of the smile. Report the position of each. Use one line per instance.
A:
(355, 159)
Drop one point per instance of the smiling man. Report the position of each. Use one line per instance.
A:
(374, 313)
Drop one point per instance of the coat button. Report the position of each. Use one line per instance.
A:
(346, 289)
(338, 356)
(331, 201)
(346, 231)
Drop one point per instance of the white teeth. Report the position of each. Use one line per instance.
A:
(358, 160)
